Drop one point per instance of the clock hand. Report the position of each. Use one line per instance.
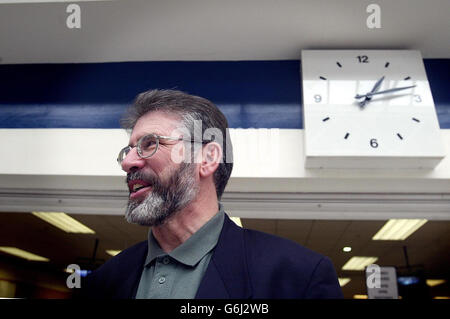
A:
(384, 92)
(377, 85)
(374, 89)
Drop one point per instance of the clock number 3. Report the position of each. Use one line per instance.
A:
(374, 143)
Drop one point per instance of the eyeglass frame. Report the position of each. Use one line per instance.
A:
(157, 137)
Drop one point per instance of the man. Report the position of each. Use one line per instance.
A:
(178, 162)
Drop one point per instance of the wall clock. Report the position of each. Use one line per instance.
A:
(368, 109)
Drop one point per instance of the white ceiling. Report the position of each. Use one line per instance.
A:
(138, 30)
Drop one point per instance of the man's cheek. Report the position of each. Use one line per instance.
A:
(179, 154)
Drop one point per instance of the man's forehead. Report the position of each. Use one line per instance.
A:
(161, 123)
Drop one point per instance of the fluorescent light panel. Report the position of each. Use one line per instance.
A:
(360, 297)
(64, 222)
(343, 281)
(435, 282)
(237, 221)
(22, 254)
(398, 229)
(113, 252)
(359, 263)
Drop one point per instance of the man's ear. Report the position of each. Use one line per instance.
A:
(211, 158)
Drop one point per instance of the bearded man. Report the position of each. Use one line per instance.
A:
(178, 162)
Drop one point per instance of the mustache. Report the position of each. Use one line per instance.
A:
(149, 178)
(159, 188)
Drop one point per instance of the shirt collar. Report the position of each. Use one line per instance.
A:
(195, 247)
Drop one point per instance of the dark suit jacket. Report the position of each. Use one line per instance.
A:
(245, 264)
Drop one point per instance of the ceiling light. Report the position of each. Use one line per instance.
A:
(360, 297)
(64, 222)
(398, 229)
(22, 254)
(359, 263)
(435, 282)
(237, 221)
(113, 252)
(343, 281)
(441, 297)
(347, 249)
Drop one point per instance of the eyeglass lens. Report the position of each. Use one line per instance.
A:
(147, 145)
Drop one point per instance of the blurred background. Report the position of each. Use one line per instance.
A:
(423, 254)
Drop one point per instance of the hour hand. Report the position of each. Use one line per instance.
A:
(374, 89)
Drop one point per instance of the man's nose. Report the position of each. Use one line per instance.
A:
(132, 162)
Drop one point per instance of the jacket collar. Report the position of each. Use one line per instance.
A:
(227, 273)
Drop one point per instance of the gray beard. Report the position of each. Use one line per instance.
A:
(165, 199)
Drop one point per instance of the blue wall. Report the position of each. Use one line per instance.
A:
(261, 94)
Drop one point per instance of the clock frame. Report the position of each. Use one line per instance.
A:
(392, 130)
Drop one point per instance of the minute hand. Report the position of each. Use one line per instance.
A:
(384, 92)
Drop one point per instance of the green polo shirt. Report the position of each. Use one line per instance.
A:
(178, 274)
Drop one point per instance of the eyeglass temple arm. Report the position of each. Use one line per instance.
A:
(181, 138)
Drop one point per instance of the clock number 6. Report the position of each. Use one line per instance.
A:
(374, 143)
(317, 98)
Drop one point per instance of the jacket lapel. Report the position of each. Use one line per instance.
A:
(131, 277)
(227, 273)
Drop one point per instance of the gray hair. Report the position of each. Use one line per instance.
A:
(189, 108)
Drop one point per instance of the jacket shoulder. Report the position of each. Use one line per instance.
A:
(117, 277)
(262, 244)
(286, 269)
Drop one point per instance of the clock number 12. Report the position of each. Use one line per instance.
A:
(363, 59)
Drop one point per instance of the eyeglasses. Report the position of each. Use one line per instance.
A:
(148, 144)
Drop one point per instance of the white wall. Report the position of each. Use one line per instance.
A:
(75, 170)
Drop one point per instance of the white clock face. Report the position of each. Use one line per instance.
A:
(367, 103)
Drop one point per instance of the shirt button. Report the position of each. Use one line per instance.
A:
(166, 260)
(162, 280)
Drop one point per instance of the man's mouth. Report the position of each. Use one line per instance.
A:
(137, 188)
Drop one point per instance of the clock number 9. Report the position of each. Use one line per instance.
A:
(374, 143)
(317, 98)
(363, 58)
